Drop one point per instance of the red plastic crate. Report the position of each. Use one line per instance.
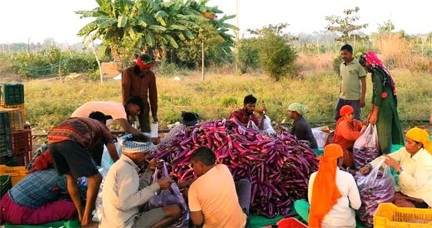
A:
(21, 143)
(22, 159)
(290, 223)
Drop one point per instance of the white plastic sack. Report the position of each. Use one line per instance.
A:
(366, 147)
(320, 137)
(98, 204)
(267, 126)
(107, 161)
(154, 130)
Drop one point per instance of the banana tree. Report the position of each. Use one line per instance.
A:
(126, 27)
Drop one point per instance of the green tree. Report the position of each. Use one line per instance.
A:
(276, 55)
(248, 54)
(387, 27)
(126, 27)
(346, 25)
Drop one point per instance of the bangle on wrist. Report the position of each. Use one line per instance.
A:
(400, 171)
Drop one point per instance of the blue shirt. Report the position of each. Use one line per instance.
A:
(39, 188)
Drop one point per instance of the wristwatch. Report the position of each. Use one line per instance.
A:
(400, 171)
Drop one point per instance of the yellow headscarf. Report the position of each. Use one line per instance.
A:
(325, 192)
(420, 135)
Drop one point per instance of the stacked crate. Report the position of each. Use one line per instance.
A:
(15, 138)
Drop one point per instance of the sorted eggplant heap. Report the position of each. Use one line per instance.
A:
(277, 165)
(372, 193)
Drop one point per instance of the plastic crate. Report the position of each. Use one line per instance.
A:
(389, 215)
(9, 161)
(5, 184)
(290, 223)
(11, 94)
(5, 145)
(4, 122)
(15, 116)
(21, 142)
(17, 173)
(21, 107)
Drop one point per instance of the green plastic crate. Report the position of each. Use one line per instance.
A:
(11, 94)
(5, 184)
(4, 122)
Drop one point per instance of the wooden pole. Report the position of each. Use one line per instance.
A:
(202, 60)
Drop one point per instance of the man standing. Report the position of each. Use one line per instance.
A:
(213, 198)
(140, 81)
(353, 83)
(70, 144)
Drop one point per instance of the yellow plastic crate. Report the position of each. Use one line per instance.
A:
(16, 173)
(389, 215)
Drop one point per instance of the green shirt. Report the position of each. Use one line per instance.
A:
(350, 83)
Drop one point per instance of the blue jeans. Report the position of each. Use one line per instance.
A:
(355, 104)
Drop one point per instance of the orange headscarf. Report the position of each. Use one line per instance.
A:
(325, 192)
(345, 110)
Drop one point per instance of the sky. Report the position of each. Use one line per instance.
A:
(37, 20)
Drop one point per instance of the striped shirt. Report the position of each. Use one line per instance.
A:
(87, 132)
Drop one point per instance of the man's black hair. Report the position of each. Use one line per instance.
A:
(136, 100)
(98, 116)
(204, 155)
(138, 138)
(189, 118)
(347, 48)
(249, 99)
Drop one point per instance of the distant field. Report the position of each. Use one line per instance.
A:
(51, 101)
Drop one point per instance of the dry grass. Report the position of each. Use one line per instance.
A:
(51, 101)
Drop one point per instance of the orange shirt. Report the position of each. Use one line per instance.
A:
(346, 133)
(215, 195)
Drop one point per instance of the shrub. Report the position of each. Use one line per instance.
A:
(276, 55)
(247, 55)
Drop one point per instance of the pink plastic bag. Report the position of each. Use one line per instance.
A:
(171, 196)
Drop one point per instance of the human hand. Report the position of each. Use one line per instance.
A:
(362, 103)
(185, 184)
(373, 119)
(392, 162)
(365, 170)
(153, 164)
(165, 183)
(155, 140)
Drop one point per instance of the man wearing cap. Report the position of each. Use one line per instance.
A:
(301, 128)
(347, 131)
(124, 192)
(188, 119)
(332, 193)
(139, 80)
